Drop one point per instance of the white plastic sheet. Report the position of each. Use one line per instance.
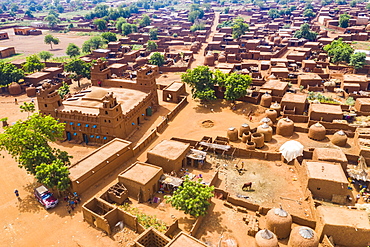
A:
(291, 150)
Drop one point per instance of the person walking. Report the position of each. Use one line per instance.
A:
(16, 192)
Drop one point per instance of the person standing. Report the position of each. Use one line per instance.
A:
(16, 192)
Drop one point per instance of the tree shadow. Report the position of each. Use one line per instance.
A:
(29, 204)
(211, 106)
(56, 49)
(212, 222)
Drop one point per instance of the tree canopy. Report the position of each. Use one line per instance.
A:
(33, 64)
(200, 79)
(100, 24)
(157, 59)
(79, 68)
(305, 33)
(339, 51)
(50, 40)
(28, 141)
(63, 90)
(145, 21)
(309, 13)
(45, 55)
(93, 43)
(274, 13)
(9, 73)
(153, 34)
(344, 20)
(109, 37)
(236, 86)
(358, 60)
(192, 197)
(53, 175)
(52, 20)
(239, 27)
(151, 45)
(73, 50)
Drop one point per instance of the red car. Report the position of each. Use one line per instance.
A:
(45, 197)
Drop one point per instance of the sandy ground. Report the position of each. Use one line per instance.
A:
(28, 45)
(26, 223)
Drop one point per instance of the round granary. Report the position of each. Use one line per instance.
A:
(266, 100)
(279, 222)
(232, 134)
(245, 128)
(258, 140)
(317, 132)
(266, 238)
(246, 137)
(285, 127)
(303, 236)
(15, 88)
(271, 114)
(267, 121)
(266, 130)
(277, 107)
(339, 138)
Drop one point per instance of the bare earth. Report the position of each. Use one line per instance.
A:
(34, 44)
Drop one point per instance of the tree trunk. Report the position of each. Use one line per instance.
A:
(51, 45)
(79, 83)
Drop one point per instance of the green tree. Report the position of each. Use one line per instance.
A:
(219, 78)
(128, 28)
(50, 40)
(33, 64)
(358, 60)
(52, 20)
(9, 73)
(100, 24)
(200, 79)
(153, 34)
(145, 21)
(305, 33)
(27, 107)
(151, 45)
(63, 90)
(344, 20)
(73, 50)
(198, 25)
(192, 197)
(28, 13)
(54, 175)
(236, 86)
(79, 68)
(368, 6)
(92, 44)
(353, 3)
(119, 23)
(339, 51)
(28, 141)
(239, 27)
(45, 55)
(309, 13)
(109, 37)
(60, 8)
(274, 13)
(157, 59)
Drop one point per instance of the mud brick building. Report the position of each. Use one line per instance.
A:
(102, 113)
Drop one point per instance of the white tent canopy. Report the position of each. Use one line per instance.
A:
(291, 150)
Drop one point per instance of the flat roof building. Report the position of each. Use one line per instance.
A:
(141, 180)
(169, 154)
(346, 227)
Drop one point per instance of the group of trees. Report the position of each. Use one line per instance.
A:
(9, 73)
(202, 82)
(195, 13)
(238, 25)
(340, 51)
(305, 33)
(28, 143)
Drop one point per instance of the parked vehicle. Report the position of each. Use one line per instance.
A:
(45, 197)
